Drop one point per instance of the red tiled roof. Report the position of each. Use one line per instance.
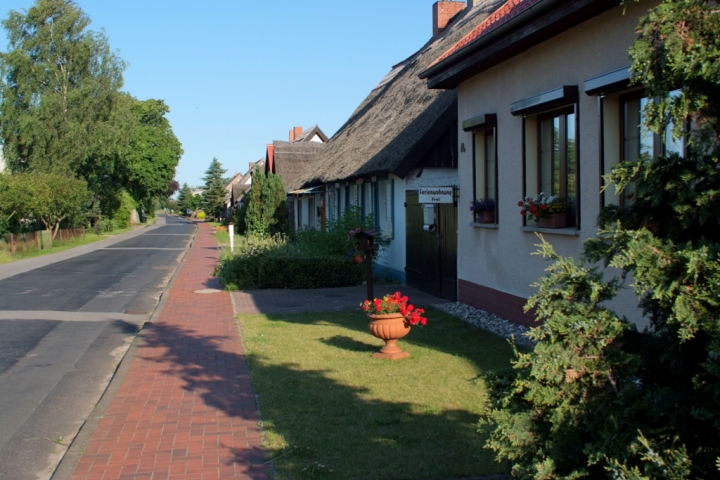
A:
(509, 10)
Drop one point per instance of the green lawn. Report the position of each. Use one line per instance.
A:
(58, 246)
(331, 411)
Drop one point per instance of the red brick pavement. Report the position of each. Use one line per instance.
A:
(186, 407)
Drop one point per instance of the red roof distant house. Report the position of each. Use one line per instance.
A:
(500, 16)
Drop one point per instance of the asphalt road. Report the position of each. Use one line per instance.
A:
(66, 320)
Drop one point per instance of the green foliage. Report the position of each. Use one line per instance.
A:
(266, 212)
(596, 398)
(106, 225)
(213, 198)
(122, 214)
(184, 196)
(307, 272)
(570, 400)
(240, 270)
(238, 218)
(334, 240)
(678, 49)
(153, 153)
(60, 93)
(50, 198)
(61, 110)
(274, 262)
(671, 464)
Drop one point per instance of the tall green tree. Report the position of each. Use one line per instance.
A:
(153, 153)
(597, 398)
(266, 212)
(213, 198)
(184, 197)
(59, 88)
(60, 105)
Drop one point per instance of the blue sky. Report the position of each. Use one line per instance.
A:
(238, 74)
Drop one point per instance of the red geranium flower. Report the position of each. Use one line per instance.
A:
(395, 303)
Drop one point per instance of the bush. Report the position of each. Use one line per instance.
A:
(334, 239)
(307, 272)
(105, 225)
(240, 270)
(315, 259)
(200, 216)
(123, 213)
(238, 218)
(274, 263)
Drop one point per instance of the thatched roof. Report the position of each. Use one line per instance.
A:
(239, 190)
(290, 159)
(400, 120)
(310, 133)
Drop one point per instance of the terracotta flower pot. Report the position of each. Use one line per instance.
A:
(389, 327)
(486, 216)
(554, 220)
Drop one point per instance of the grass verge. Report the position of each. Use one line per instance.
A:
(329, 410)
(59, 246)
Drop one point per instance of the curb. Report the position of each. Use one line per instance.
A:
(70, 459)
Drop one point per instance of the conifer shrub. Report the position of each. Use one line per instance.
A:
(597, 398)
(266, 211)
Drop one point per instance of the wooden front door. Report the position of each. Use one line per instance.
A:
(431, 257)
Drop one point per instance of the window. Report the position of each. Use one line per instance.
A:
(551, 163)
(557, 158)
(485, 167)
(625, 138)
(385, 200)
(311, 214)
(332, 202)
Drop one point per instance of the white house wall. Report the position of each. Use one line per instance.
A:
(499, 259)
(391, 259)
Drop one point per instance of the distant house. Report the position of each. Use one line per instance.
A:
(401, 140)
(289, 159)
(228, 190)
(241, 186)
(544, 105)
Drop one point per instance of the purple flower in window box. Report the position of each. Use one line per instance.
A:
(483, 210)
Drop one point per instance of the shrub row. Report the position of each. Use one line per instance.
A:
(262, 270)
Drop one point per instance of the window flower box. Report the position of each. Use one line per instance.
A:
(554, 220)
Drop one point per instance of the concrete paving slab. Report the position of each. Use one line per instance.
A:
(321, 299)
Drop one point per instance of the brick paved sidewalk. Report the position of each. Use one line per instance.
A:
(186, 408)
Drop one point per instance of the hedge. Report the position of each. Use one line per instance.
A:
(277, 271)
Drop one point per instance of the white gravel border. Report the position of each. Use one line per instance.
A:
(488, 321)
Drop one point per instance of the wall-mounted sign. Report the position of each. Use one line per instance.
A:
(435, 195)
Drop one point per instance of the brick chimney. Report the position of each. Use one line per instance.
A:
(443, 13)
(295, 133)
